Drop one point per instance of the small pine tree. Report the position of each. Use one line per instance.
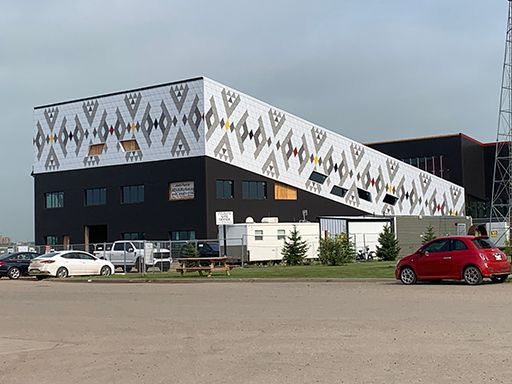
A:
(428, 235)
(294, 249)
(336, 250)
(388, 248)
(189, 250)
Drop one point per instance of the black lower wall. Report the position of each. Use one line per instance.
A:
(156, 217)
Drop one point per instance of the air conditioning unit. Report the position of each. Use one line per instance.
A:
(272, 220)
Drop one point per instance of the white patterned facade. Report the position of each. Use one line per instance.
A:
(201, 117)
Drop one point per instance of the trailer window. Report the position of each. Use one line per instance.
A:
(258, 234)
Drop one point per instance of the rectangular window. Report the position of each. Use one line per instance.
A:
(181, 190)
(132, 194)
(258, 234)
(317, 177)
(133, 235)
(338, 191)
(390, 199)
(130, 145)
(95, 196)
(51, 240)
(96, 149)
(364, 195)
(281, 234)
(183, 235)
(224, 189)
(254, 190)
(284, 192)
(54, 200)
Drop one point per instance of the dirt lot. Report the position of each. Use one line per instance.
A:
(350, 332)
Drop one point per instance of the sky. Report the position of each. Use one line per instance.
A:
(370, 70)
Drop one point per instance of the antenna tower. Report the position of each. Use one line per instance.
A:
(501, 203)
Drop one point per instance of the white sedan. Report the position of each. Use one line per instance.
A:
(69, 263)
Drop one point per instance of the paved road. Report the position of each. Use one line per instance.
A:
(357, 332)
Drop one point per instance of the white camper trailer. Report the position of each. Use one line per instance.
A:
(258, 242)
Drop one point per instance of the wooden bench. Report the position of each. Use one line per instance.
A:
(203, 264)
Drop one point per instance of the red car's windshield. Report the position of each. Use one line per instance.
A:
(483, 243)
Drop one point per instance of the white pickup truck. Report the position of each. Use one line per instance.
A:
(131, 253)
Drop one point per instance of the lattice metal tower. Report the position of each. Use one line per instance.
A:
(501, 204)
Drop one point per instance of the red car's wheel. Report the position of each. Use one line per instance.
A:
(407, 276)
(472, 275)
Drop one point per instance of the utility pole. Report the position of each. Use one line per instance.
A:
(501, 202)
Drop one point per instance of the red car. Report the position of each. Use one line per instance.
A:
(467, 258)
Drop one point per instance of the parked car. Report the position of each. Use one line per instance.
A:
(467, 258)
(131, 253)
(69, 263)
(15, 265)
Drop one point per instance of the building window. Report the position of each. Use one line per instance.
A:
(338, 191)
(54, 200)
(96, 149)
(132, 194)
(51, 240)
(130, 145)
(281, 234)
(390, 199)
(284, 192)
(436, 165)
(258, 234)
(317, 177)
(133, 235)
(183, 235)
(224, 189)
(254, 190)
(95, 196)
(364, 195)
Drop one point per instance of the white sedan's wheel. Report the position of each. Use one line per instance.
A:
(407, 276)
(105, 271)
(62, 273)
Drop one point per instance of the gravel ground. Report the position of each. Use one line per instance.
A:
(236, 332)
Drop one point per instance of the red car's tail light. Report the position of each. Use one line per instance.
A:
(2, 262)
(47, 261)
(483, 256)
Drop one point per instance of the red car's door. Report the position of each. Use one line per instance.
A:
(433, 261)
(459, 256)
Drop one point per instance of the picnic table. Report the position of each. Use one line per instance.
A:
(203, 264)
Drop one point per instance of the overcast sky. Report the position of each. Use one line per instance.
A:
(371, 70)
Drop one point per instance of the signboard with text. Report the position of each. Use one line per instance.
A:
(183, 190)
(224, 217)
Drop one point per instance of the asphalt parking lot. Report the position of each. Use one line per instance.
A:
(237, 332)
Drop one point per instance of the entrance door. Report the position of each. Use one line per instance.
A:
(95, 234)
(65, 242)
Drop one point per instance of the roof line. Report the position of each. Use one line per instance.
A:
(119, 93)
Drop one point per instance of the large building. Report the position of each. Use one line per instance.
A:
(158, 162)
(458, 158)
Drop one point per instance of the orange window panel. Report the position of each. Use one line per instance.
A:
(96, 149)
(130, 145)
(284, 192)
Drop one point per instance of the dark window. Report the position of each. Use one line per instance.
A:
(365, 195)
(85, 256)
(133, 235)
(438, 246)
(132, 194)
(183, 235)
(483, 243)
(338, 191)
(54, 200)
(317, 177)
(51, 240)
(95, 196)
(258, 234)
(122, 246)
(458, 245)
(390, 199)
(254, 190)
(224, 189)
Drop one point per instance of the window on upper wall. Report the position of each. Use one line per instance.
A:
(51, 240)
(224, 189)
(284, 192)
(130, 145)
(364, 195)
(338, 191)
(317, 177)
(254, 190)
(133, 235)
(96, 149)
(54, 199)
(95, 196)
(390, 199)
(132, 194)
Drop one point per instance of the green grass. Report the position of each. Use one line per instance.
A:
(368, 270)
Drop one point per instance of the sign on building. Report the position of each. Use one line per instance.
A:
(183, 190)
